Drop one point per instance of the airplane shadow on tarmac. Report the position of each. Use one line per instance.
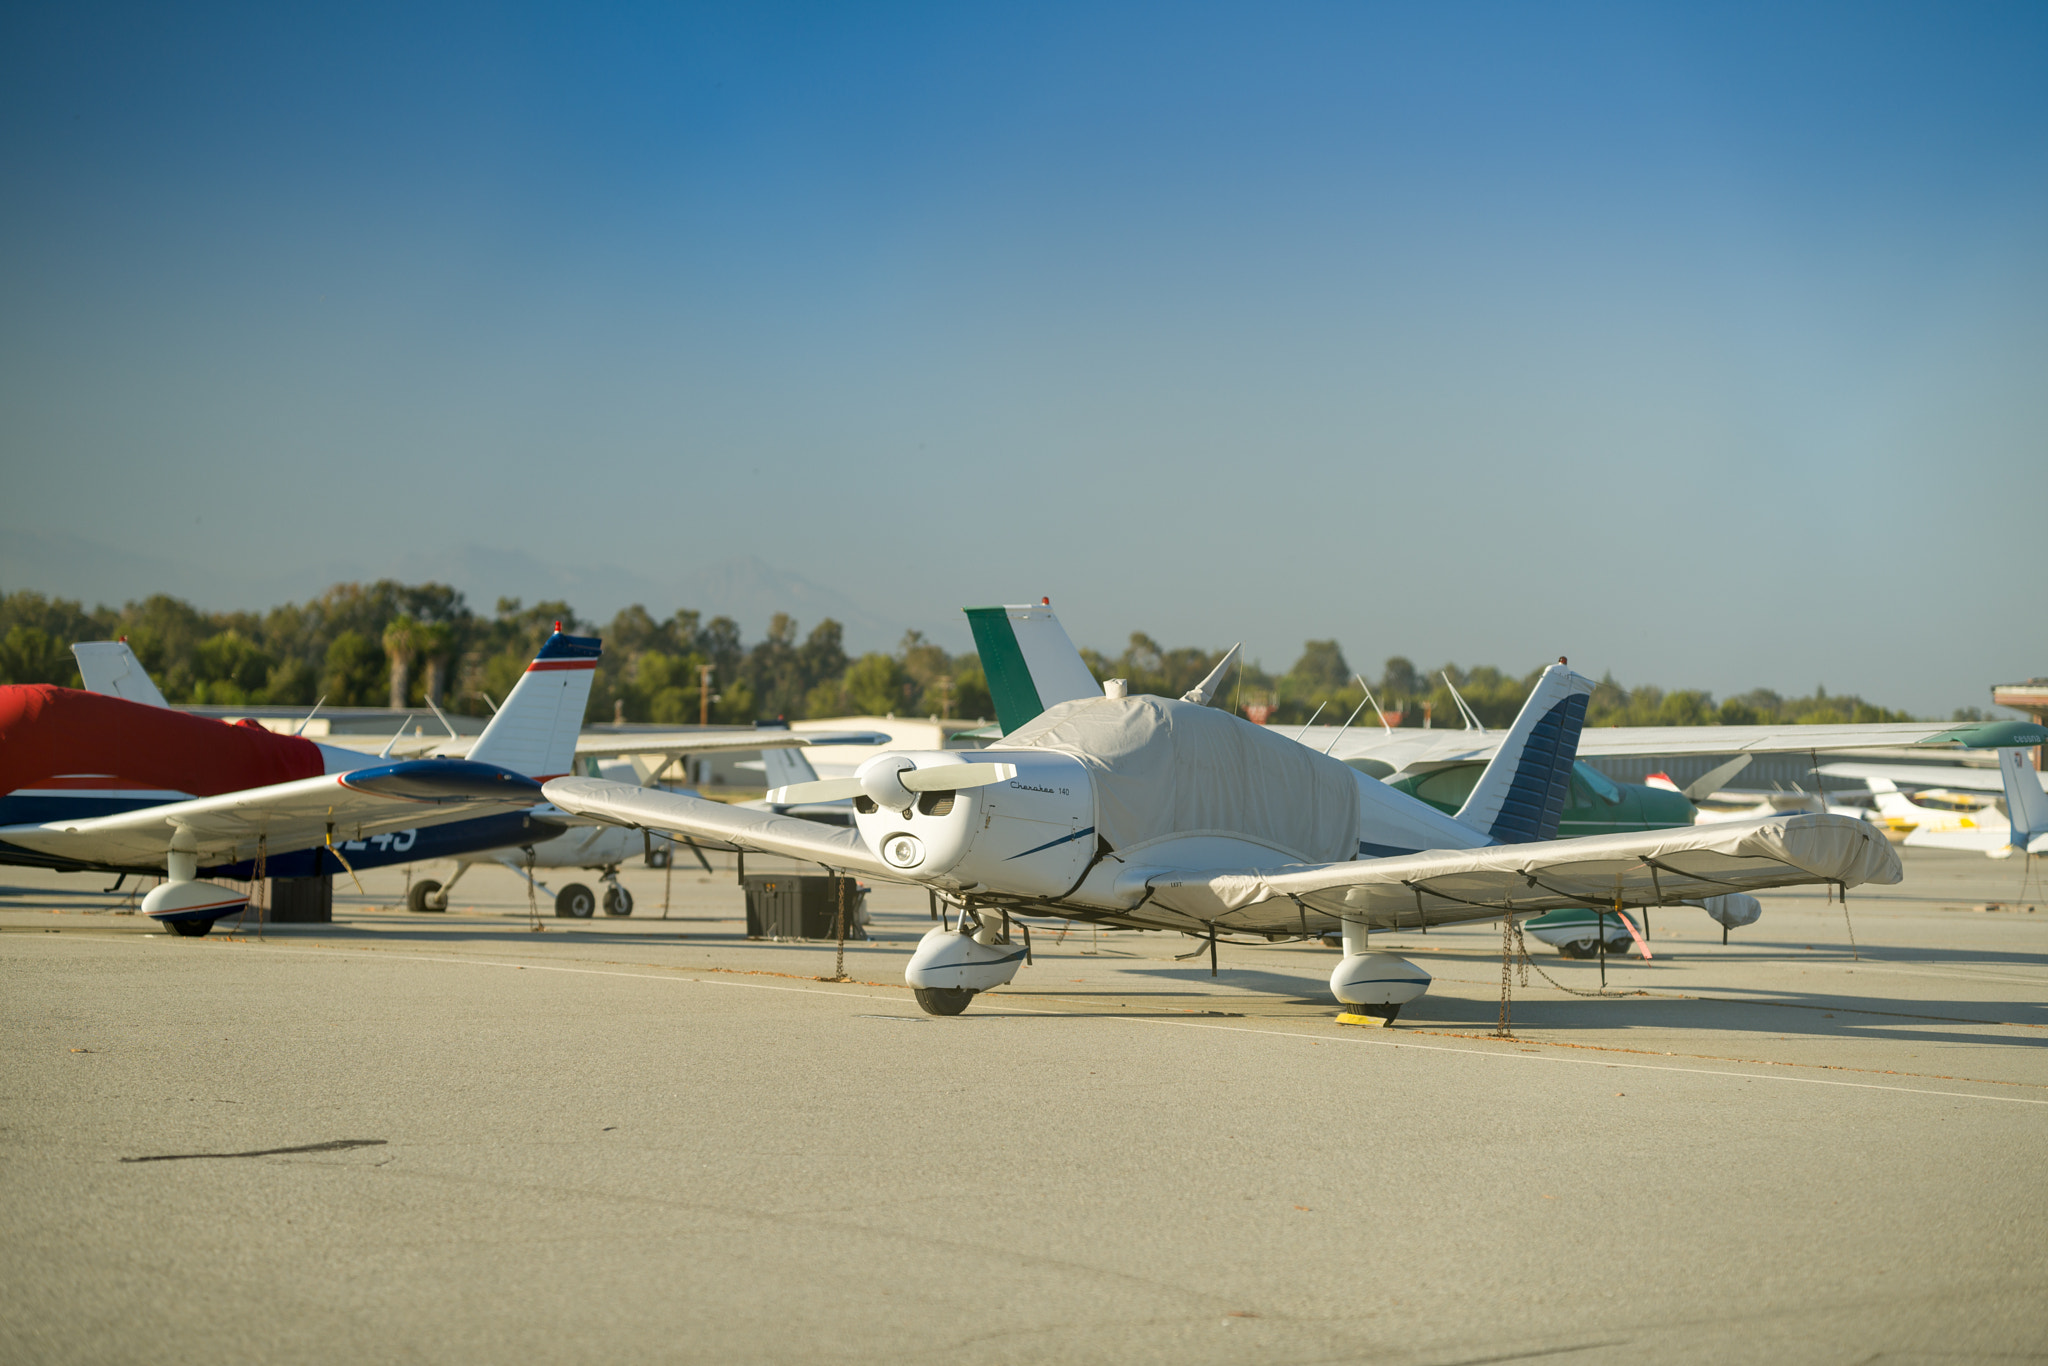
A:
(1775, 1013)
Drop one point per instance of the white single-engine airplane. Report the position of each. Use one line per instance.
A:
(1160, 813)
(537, 840)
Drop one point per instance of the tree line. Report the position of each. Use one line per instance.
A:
(399, 645)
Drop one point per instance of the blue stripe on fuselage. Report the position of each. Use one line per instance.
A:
(1049, 844)
(507, 830)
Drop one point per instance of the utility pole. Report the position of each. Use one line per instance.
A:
(704, 694)
(945, 682)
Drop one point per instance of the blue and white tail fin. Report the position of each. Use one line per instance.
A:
(535, 731)
(110, 668)
(2026, 802)
(1029, 662)
(1521, 796)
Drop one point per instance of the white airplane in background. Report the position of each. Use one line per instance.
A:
(110, 668)
(1158, 813)
(2020, 828)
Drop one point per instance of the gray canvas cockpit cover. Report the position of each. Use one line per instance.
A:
(1165, 768)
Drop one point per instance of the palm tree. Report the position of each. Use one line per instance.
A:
(434, 642)
(401, 643)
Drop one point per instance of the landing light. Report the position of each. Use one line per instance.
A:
(903, 851)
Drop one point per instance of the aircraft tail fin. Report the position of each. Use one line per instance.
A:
(2026, 803)
(786, 767)
(1521, 796)
(534, 733)
(1885, 795)
(110, 668)
(1029, 662)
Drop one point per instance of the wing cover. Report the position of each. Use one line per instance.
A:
(1651, 868)
(718, 825)
(48, 732)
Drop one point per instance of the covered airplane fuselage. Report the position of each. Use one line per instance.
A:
(1086, 790)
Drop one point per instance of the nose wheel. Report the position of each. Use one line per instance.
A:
(942, 1000)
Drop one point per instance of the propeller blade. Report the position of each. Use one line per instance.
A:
(823, 790)
(952, 777)
(1715, 779)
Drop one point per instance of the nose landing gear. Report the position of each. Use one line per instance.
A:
(954, 963)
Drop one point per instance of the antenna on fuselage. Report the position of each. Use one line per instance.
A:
(444, 720)
(313, 713)
(1471, 717)
(385, 753)
(1360, 680)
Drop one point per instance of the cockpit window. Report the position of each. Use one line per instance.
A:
(1602, 785)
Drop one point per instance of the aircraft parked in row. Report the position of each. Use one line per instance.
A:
(542, 837)
(2018, 825)
(99, 782)
(1158, 813)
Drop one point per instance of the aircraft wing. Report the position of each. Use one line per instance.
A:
(716, 825)
(621, 744)
(625, 743)
(1911, 775)
(287, 816)
(1410, 749)
(1446, 886)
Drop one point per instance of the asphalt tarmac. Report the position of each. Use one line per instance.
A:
(449, 1138)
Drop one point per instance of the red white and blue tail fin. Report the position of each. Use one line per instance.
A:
(535, 731)
(1521, 795)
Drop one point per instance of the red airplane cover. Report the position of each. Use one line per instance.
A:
(49, 732)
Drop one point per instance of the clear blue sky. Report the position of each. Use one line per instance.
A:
(1708, 344)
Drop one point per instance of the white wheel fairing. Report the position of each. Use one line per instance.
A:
(1377, 979)
(947, 958)
(192, 901)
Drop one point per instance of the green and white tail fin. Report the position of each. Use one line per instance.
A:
(1029, 662)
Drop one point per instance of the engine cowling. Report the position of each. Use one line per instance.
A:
(1031, 835)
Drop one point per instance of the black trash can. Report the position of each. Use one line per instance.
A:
(801, 906)
(302, 900)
